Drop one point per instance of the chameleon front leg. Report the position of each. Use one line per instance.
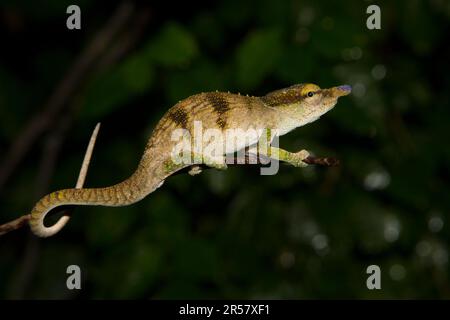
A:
(293, 158)
(266, 149)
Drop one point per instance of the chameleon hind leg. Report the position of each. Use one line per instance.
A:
(195, 169)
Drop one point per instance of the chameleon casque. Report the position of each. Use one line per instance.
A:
(280, 111)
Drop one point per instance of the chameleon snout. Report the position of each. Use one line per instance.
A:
(342, 90)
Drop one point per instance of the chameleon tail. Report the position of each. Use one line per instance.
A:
(125, 193)
(110, 196)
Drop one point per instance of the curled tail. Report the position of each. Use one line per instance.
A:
(125, 193)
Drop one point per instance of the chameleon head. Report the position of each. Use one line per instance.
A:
(304, 103)
(315, 101)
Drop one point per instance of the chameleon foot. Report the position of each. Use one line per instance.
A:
(298, 157)
(195, 170)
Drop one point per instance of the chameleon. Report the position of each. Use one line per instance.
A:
(281, 110)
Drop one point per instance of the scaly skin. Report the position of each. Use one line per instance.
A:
(281, 110)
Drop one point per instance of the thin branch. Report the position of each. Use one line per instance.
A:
(249, 158)
(87, 158)
(14, 225)
(326, 162)
(23, 220)
(252, 158)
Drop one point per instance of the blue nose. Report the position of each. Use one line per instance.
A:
(345, 88)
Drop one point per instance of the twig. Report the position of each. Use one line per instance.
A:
(250, 158)
(23, 220)
(327, 162)
(14, 225)
(87, 158)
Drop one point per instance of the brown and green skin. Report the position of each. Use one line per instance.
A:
(282, 110)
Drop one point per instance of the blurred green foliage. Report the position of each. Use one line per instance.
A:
(303, 233)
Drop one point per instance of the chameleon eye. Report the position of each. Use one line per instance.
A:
(310, 94)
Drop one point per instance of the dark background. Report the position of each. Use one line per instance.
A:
(303, 233)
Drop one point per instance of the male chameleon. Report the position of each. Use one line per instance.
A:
(281, 111)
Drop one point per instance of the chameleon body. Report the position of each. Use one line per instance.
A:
(282, 110)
